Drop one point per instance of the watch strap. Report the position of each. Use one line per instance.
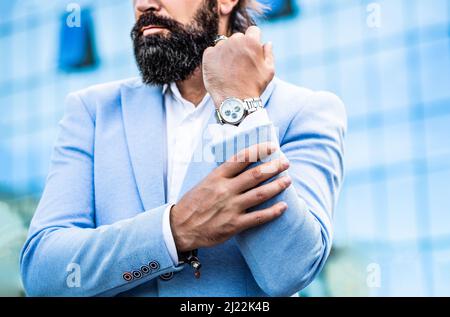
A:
(253, 104)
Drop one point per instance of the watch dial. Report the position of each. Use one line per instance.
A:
(232, 110)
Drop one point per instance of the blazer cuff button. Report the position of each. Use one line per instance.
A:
(166, 276)
(145, 269)
(154, 265)
(137, 274)
(127, 276)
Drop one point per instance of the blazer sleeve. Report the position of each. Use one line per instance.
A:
(65, 253)
(286, 254)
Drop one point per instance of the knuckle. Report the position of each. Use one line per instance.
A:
(208, 51)
(253, 43)
(241, 224)
(256, 173)
(233, 220)
(261, 195)
(237, 35)
(228, 229)
(221, 190)
(236, 209)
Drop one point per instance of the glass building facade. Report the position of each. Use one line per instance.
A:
(388, 60)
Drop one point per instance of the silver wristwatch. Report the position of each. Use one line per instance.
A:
(234, 110)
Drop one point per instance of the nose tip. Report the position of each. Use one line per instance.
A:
(151, 9)
(144, 6)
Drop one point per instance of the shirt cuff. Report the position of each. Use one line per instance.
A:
(168, 236)
(219, 132)
(255, 119)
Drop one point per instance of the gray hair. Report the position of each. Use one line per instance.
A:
(243, 15)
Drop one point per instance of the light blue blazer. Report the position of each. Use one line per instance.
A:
(98, 228)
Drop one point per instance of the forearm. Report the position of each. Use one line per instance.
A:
(103, 255)
(285, 254)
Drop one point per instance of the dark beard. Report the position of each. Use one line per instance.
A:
(163, 59)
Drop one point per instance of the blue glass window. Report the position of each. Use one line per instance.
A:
(77, 49)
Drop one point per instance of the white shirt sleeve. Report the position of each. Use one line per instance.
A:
(168, 236)
(257, 118)
(219, 132)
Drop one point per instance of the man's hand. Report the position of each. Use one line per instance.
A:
(238, 67)
(215, 210)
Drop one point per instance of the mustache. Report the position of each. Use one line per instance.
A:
(164, 59)
(151, 18)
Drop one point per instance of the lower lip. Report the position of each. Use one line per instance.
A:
(152, 31)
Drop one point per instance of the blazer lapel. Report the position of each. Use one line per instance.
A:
(145, 129)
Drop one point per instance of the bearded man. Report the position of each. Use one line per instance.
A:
(205, 176)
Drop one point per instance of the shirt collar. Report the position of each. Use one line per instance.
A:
(164, 88)
(172, 88)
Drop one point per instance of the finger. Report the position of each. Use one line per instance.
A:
(235, 164)
(254, 32)
(220, 43)
(263, 193)
(260, 217)
(236, 36)
(260, 173)
(209, 50)
(268, 53)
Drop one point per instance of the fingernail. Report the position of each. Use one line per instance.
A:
(283, 206)
(284, 162)
(287, 180)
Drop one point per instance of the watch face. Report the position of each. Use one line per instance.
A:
(232, 110)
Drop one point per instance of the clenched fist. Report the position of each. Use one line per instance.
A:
(240, 66)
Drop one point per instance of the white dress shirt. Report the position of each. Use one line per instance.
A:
(185, 124)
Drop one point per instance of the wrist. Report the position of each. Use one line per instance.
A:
(219, 97)
(182, 243)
